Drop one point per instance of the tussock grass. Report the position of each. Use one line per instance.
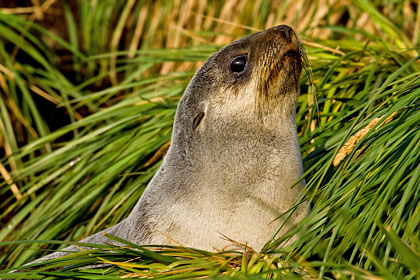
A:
(112, 73)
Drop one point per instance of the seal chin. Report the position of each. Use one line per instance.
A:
(279, 71)
(294, 60)
(284, 74)
(291, 59)
(292, 54)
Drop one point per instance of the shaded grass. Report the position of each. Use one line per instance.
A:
(172, 262)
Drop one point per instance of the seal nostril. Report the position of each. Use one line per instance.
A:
(286, 31)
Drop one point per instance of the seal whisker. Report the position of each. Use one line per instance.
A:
(306, 65)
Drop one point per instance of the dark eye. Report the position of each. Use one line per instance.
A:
(238, 64)
(197, 120)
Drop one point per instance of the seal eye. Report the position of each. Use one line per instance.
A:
(197, 120)
(238, 64)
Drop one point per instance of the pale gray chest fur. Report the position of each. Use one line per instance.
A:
(234, 184)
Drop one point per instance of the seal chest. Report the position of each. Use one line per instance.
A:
(234, 153)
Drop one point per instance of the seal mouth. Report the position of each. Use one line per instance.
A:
(279, 75)
(280, 64)
(292, 53)
(272, 71)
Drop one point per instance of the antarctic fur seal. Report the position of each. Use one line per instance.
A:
(234, 153)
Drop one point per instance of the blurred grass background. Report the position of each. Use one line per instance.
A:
(88, 94)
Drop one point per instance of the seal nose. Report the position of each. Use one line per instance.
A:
(286, 31)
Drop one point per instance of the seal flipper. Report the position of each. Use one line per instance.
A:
(97, 238)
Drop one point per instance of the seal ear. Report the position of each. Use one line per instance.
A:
(197, 120)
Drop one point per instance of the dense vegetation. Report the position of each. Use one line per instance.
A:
(88, 94)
